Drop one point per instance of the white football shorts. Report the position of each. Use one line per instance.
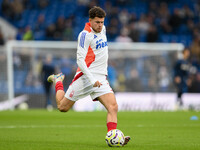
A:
(82, 87)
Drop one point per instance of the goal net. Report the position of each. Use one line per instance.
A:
(133, 67)
(3, 75)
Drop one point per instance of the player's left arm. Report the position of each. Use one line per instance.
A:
(84, 41)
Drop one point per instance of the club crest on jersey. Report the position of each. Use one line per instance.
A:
(101, 44)
(71, 94)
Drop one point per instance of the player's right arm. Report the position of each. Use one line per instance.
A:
(84, 41)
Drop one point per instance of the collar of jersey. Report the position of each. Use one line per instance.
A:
(89, 28)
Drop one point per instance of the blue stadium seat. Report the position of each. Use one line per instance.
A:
(40, 35)
(69, 8)
(165, 38)
(185, 39)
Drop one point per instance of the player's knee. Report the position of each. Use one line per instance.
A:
(114, 107)
(62, 108)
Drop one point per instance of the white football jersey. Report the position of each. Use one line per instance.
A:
(92, 53)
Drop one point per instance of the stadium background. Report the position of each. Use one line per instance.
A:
(172, 21)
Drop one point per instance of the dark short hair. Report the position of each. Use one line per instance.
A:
(97, 12)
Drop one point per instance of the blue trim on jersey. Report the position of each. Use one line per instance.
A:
(82, 39)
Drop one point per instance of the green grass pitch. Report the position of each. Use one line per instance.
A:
(43, 130)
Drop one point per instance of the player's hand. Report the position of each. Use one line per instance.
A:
(189, 82)
(97, 84)
(177, 80)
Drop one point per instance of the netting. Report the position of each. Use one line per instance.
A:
(134, 67)
(3, 75)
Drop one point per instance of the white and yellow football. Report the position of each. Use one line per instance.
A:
(115, 138)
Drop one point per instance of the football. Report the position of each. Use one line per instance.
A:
(115, 138)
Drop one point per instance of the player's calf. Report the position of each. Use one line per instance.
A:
(65, 104)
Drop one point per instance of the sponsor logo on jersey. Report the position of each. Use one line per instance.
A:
(101, 44)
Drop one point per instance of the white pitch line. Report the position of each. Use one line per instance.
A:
(91, 126)
(48, 126)
(170, 126)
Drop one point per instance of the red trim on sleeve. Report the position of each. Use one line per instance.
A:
(90, 57)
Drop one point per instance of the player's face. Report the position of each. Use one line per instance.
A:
(97, 24)
(186, 54)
